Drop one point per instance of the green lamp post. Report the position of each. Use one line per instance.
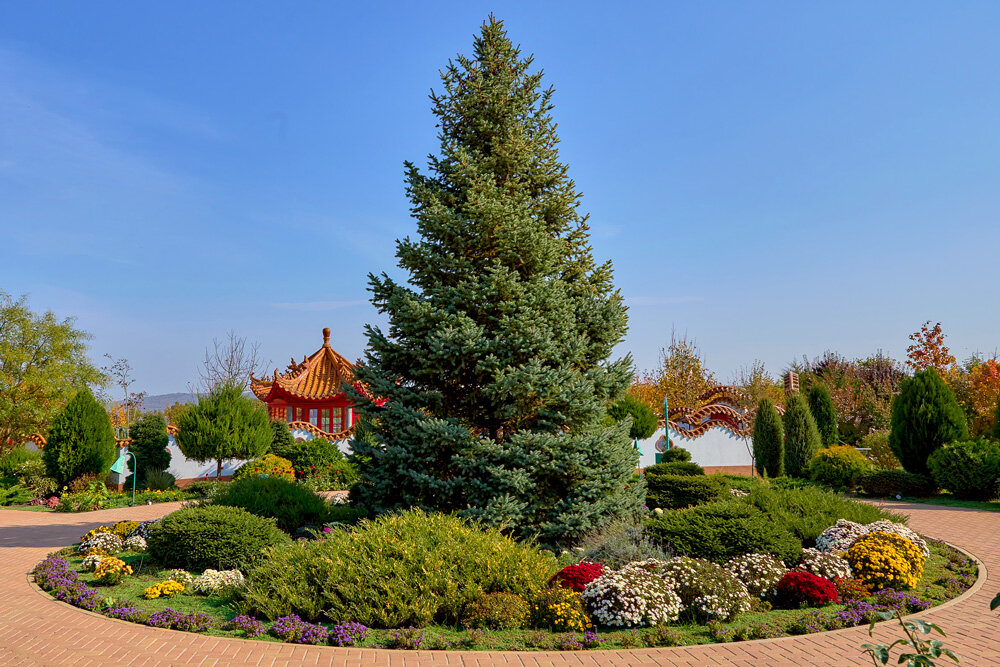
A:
(118, 467)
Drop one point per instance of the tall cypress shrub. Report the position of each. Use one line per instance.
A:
(495, 364)
(768, 441)
(802, 439)
(821, 407)
(925, 415)
(81, 440)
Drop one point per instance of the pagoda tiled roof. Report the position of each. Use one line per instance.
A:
(323, 374)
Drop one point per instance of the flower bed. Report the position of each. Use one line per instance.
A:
(645, 603)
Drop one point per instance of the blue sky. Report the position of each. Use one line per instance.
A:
(774, 179)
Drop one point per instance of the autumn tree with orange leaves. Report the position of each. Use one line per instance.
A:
(928, 349)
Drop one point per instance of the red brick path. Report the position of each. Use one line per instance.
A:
(36, 630)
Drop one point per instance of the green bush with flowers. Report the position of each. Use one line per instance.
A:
(885, 560)
(269, 464)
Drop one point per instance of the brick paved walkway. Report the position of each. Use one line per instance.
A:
(36, 630)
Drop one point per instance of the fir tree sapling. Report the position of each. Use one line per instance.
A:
(495, 364)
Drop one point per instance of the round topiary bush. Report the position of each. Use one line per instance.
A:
(969, 469)
(838, 466)
(675, 454)
(269, 464)
(497, 611)
(675, 468)
(222, 538)
(289, 503)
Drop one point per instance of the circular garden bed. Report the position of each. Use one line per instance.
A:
(414, 580)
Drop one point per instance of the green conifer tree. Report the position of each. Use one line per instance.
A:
(644, 420)
(149, 444)
(802, 439)
(81, 440)
(495, 362)
(768, 441)
(925, 415)
(224, 425)
(821, 407)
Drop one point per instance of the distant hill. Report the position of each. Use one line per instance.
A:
(161, 401)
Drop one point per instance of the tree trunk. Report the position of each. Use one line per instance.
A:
(218, 470)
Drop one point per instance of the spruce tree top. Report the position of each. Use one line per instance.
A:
(505, 290)
(925, 415)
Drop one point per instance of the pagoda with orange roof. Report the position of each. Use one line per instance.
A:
(310, 395)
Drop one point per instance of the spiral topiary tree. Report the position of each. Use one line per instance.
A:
(81, 440)
(768, 441)
(802, 439)
(925, 415)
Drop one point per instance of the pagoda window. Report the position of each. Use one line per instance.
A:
(349, 418)
(325, 423)
(314, 416)
(337, 421)
(288, 414)
(298, 414)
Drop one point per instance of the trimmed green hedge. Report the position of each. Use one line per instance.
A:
(679, 491)
(291, 504)
(887, 483)
(720, 531)
(222, 538)
(675, 468)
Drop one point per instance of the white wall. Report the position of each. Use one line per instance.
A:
(716, 447)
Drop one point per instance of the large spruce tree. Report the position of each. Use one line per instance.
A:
(495, 363)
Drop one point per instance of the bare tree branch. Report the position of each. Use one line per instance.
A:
(232, 360)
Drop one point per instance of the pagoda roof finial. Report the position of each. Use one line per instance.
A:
(326, 335)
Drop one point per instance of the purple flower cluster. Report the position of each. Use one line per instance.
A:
(591, 640)
(857, 612)
(348, 634)
(889, 599)
(406, 638)
(250, 626)
(170, 618)
(34, 502)
(127, 612)
(293, 629)
(568, 643)
(54, 575)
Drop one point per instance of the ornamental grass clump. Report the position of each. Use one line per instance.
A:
(760, 573)
(559, 610)
(631, 597)
(706, 590)
(408, 568)
(163, 589)
(829, 565)
(110, 571)
(798, 588)
(886, 560)
(575, 577)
